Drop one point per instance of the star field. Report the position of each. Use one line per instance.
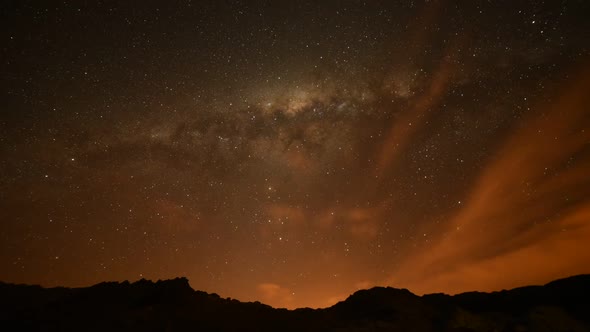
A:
(294, 152)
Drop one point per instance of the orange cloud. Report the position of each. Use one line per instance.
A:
(403, 128)
(275, 295)
(363, 223)
(298, 160)
(512, 222)
(286, 212)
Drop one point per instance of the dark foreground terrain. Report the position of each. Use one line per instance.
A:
(172, 305)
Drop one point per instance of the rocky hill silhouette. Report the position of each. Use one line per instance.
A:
(172, 305)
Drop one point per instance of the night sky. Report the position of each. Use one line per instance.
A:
(293, 152)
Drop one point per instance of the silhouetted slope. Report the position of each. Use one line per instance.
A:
(172, 305)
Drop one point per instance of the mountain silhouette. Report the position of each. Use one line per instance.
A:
(172, 305)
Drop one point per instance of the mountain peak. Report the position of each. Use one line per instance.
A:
(179, 282)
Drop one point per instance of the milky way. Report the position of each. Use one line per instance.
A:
(292, 153)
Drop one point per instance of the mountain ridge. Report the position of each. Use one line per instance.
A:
(172, 305)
